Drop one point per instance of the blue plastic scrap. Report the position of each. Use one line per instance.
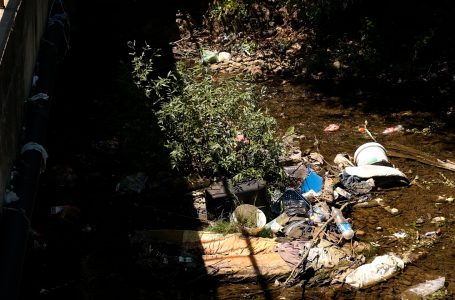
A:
(312, 182)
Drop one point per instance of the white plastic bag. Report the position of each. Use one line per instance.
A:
(371, 171)
(380, 269)
(209, 56)
(424, 289)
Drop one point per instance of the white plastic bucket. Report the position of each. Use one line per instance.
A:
(247, 211)
(369, 154)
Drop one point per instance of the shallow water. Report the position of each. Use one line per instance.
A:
(310, 113)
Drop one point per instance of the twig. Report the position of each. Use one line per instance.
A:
(312, 243)
(368, 132)
(414, 181)
(407, 152)
(330, 167)
(181, 40)
(316, 143)
(371, 136)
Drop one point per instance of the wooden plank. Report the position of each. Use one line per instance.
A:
(407, 152)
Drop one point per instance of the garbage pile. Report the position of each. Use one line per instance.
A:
(309, 218)
(304, 233)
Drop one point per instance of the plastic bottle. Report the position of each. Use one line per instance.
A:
(343, 225)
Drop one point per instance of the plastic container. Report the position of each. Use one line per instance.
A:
(343, 225)
(249, 215)
(293, 203)
(277, 224)
(371, 153)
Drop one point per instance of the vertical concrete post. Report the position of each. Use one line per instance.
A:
(18, 52)
(21, 27)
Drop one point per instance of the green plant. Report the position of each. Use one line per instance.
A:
(315, 12)
(223, 227)
(213, 128)
(224, 10)
(446, 181)
(440, 295)
(246, 216)
(248, 47)
(142, 72)
(235, 16)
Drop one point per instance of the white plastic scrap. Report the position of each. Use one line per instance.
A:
(275, 227)
(325, 255)
(35, 79)
(400, 235)
(39, 96)
(425, 288)
(342, 161)
(380, 269)
(372, 203)
(438, 220)
(392, 210)
(311, 194)
(224, 56)
(341, 192)
(370, 171)
(11, 197)
(55, 210)
(39, 148)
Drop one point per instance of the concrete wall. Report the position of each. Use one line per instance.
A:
(21, 27)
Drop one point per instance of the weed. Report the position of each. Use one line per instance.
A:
(223, 227)
(446, 181)
(440, 295)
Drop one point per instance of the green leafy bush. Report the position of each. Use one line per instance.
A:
(213, 128)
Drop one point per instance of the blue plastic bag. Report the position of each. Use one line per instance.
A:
(312, 182)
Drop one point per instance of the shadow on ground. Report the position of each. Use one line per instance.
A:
(102, 130)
